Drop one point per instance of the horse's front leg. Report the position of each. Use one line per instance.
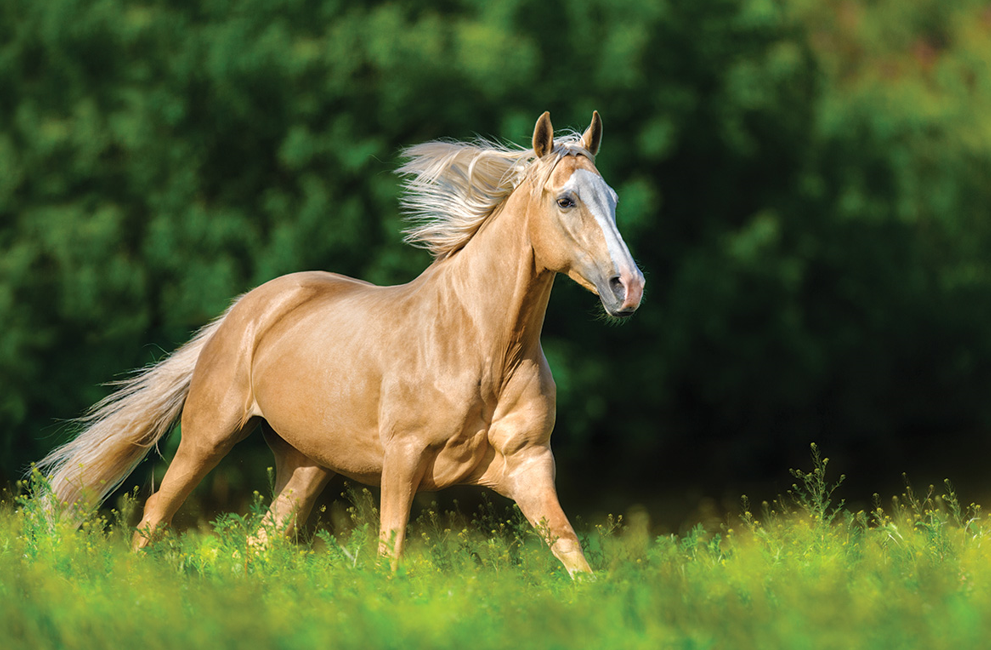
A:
(529, 480)
(402, 470)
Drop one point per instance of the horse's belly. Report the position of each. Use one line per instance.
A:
(359, 454)
(346, 445)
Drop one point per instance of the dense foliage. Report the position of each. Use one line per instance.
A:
(804, 184)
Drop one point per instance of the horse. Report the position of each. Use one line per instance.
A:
(419, 386)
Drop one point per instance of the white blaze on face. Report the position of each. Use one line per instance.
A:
(601, 200)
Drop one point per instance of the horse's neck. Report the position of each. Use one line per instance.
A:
(498, 284)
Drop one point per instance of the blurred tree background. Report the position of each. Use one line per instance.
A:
(804, 182)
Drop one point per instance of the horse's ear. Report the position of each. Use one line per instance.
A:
(543, 135)
(593, 134)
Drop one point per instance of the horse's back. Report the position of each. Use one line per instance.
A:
(271, 303)
(296, 288)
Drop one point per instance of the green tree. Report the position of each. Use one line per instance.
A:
(804, 184)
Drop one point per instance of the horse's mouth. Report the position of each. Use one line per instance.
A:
(620, 313)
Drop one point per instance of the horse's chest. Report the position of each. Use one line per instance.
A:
(456, 461)
(459, 434)
(448, 420)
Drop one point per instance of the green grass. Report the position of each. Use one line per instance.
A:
(803, 573)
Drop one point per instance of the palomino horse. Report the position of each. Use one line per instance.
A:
(420, 386)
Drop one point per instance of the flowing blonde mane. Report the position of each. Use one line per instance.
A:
(451, 188)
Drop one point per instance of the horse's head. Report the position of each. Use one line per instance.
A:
(573, 221)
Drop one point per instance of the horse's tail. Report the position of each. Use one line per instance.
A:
(119, 430)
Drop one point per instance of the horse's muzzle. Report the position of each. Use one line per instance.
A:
(627, 292)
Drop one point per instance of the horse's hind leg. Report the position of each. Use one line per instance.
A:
(298, 483)
(206, 438)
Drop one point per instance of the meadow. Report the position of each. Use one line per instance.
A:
(801, 572)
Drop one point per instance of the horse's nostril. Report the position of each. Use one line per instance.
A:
(617, 287)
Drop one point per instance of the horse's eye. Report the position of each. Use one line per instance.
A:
(565, 203)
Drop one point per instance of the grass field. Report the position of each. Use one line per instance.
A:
(800, 573)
